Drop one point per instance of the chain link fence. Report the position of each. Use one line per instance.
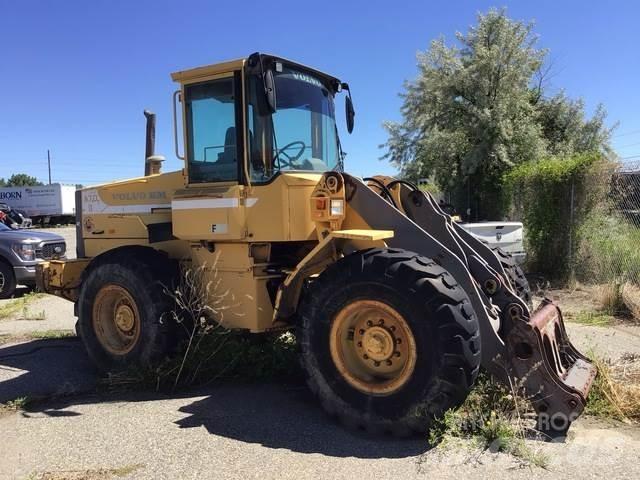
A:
(608, 239)
(581, 218)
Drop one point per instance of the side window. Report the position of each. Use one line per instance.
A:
(211, 143)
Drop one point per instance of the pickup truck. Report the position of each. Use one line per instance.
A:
(20, 251)
(504, 235)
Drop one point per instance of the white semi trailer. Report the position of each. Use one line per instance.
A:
(53, 203)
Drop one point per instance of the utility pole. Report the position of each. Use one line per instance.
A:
(49, 164)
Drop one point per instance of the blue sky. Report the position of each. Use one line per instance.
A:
(76, 75)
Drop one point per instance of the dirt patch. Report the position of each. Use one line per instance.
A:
(591, 304)
(572, 301)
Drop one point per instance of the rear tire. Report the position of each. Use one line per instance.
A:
(120, 313)
(441, 325)
(7, 280)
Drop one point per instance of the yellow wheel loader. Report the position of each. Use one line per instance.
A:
(396, 307)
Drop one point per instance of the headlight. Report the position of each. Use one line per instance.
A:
(337, 207)
(26, 251)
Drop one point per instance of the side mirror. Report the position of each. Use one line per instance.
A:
(350, 112)
(270, 90)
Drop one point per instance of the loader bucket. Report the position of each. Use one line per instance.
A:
(554, 376)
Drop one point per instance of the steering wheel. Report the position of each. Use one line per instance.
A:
(290, 159)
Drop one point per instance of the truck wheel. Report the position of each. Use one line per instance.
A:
(120, 315)
(7, 280)
(516, 275)
(389, 341)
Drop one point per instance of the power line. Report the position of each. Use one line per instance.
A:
(629, 145)
(624, 134)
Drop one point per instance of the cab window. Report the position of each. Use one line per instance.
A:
(301, 135)
(212, 149)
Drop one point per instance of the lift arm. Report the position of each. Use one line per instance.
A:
(528, 351)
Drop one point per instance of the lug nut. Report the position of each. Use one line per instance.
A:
(389, 362)
(382, 321)
(398, 341)
(377, 364)
(359, 344)
(365, 356)
(397, 354)
(361, 331)
(392, 328)
(369, 323)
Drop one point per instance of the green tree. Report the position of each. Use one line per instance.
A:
(478, 108)
(22, 180)
(567, 130)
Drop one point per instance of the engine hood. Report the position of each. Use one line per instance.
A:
(30, 236)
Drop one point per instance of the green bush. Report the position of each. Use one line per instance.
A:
(554, 197)
(431, 188)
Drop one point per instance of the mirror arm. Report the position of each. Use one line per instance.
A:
(268, 90)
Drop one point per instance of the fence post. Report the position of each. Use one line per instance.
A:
(571, 262)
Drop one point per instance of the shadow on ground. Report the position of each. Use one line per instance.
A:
(20, 292)
(45, 368)
(288, 417)
(276, 415)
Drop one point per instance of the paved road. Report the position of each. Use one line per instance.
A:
(44, 368)
(268, 431)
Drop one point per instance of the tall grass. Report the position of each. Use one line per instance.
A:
(209, 350)
(615, 392)
(493, 417)
(609, 250)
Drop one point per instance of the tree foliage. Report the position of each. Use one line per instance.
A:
(566, 129)
(479, 108)
(20, 180)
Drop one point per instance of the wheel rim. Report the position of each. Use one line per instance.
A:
(116, 320)
(373, 347)
(2, 282)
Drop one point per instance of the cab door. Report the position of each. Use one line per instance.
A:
(210, 206)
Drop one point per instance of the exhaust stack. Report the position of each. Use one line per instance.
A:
(152, 162)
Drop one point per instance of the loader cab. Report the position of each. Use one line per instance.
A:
(235, 132)
(246, 124)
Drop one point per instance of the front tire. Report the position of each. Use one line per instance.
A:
(120, 314)
(389, 341)
(7, 280)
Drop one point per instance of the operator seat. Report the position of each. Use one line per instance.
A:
(228, 155)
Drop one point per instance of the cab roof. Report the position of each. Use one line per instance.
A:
(183, 76)
(197, 73)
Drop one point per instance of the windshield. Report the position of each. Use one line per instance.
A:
(300, 135)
